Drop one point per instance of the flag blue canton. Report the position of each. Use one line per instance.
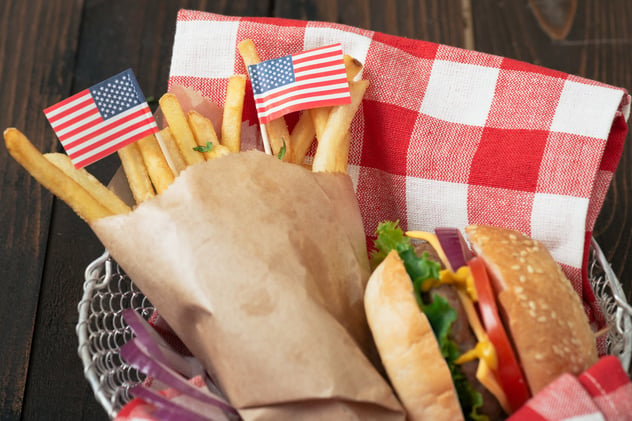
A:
(271, 74)
(117, 94)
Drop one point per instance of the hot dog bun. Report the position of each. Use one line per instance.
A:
(407, 345)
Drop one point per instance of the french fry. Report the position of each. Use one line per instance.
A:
(136, 173)
(203, 131)
(352, 66)
(233, 110)
(277, 130)
(180, 129)
(302, 137)
(248, 52)
(52, 178)
(320, 115)
(158, 168)
(171, 150)
(219, 150)
(90, 183)
(330, 155)
(319, 118)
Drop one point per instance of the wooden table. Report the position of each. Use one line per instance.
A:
(50, 49)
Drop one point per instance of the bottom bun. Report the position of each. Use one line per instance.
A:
(407, 345)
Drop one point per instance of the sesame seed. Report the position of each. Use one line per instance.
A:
(516, 267)
(529, 268)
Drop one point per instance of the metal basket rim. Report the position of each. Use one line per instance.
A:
(99, 273)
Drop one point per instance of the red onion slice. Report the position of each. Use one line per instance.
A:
(137, 355)
(454, 246)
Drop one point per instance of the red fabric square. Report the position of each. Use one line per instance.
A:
(292, 23)
(503, 207)
(509, 159)
(521, 66)
(440, 150)
(614, 147)
(388, 152)
(459, 55)
(563, 155)
(402, 78)
(413, 47)
(386, 201)
(517, 94)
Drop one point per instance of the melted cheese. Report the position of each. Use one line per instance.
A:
(484, 349)
(488, 362)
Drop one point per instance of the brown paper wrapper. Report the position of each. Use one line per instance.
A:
(259, 266)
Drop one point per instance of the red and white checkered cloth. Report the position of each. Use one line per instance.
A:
(602, 393)
(445, 136)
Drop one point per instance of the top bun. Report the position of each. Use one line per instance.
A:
(543, 314)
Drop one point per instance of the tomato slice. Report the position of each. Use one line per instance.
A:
(509, 373)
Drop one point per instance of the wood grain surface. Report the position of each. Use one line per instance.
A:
(50, 49)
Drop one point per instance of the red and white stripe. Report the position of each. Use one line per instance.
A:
(87, 137)
(321, 80)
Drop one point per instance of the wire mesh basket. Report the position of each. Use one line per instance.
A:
(107, 290)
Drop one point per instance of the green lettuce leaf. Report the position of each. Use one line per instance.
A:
(439, 312)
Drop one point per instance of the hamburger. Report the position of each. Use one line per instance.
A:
(472, 333)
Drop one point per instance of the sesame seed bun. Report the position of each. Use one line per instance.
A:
(541, 311)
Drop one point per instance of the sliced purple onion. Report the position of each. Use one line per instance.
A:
(454, 246)
(136, 354)
(143, 330)
(159, 349)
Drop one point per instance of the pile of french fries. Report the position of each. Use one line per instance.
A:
(152, 163)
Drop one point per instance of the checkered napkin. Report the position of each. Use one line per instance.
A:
(603, 392)
(446, 137)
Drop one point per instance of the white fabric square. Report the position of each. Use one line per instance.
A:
(549, 213)
(431, 204)
(460, 93)
(354, 174)
(204, 49)
(586, 110)
(355, 45)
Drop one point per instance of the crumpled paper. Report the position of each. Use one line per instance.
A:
(259, 266)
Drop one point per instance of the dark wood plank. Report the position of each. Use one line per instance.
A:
(114, 35)
(34, 75)
(597, 47)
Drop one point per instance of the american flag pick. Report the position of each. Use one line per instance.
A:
(312, 78)
(102, 119)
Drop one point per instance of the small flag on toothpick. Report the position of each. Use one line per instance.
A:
(102, 119)
(313, 78)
